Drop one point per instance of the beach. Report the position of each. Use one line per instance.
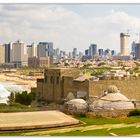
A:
(26, 81)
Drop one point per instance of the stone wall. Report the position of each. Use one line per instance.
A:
(130, 88)
(109, 113)
(59, 82)
(73, 86)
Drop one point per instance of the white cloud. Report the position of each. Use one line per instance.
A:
(65, 28)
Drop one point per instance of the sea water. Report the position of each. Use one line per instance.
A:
(7, 87)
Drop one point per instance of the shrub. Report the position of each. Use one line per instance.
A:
(11, 97)
(3, 104)
(25, 98)
(14, 104)
(135, 112)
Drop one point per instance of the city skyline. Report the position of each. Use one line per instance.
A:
(69, 26)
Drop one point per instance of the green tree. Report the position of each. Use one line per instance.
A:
(101, 64)
(11, 97)
(25, 98)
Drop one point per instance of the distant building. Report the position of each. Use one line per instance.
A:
(113, 52)
(2, 54)
(62, 53)
(101, 52)
(92, 50)
(74, 53)
(127, 57)
(8, 48)
(80, 54)
(107, 52)
(19, 54)
(45, 49)
(124, 44)
(87, 52)
(32, 50)
(133, 49)
(70, 55)
(39, 61)
(57, 52)
(137, 55)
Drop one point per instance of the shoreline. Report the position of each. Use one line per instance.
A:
(28, 84)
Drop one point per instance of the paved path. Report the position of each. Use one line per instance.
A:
(83, 129)
(40, 119)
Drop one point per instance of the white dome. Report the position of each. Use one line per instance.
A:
(111, 105)
(70, 96)
(113, 100)
(76, 104)
(76, 101)
(114, 97)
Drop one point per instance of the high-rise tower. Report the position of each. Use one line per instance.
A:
(124, 44)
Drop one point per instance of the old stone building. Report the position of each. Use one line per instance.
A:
(59, 82)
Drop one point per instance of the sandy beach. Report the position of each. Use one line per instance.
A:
(18, 79)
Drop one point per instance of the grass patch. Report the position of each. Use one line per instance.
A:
(126, 131)
(16, 107)
(101, 132)
(102, 120)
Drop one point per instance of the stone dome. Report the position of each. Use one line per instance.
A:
(112, 89)
(70, 96)
(113, 100)
(76, 105)
(76, 102)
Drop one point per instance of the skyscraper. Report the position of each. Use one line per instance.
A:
(124, 44)
(74, 53)
(137, 56)
(2, 54)
(133, 48)
(101, 52)
(8, 48)
(92, 49)
(87, 52)
(57, 52)
(19, 54)
(45, 49)
(107, 52)
(32, 50)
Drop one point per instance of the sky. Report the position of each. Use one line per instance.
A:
(69, 26)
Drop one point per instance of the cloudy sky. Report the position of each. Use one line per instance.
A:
(69, 26)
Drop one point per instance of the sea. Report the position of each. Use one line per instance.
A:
(6, 87)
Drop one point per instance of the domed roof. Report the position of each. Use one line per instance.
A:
(109, 105)
(76, 101)
(70, 96)
(114, 97)
(113, 100)
(112, 89)
(76, 106)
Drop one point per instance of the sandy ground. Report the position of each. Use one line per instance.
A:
(23, 120)
(16, 78)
